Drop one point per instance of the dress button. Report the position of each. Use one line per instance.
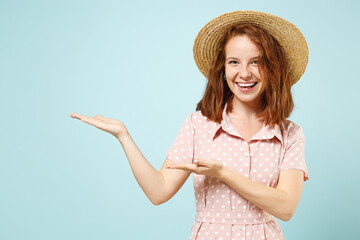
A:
(240, 228)
(246, 154)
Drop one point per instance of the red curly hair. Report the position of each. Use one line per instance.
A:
(277, 102)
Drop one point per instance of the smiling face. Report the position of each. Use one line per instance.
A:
(242, 71)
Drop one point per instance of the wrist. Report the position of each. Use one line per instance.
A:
(224, 173)
(124, 137)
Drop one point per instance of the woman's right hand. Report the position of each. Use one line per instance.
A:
(112, 126)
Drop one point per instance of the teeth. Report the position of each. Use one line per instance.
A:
(246, 84)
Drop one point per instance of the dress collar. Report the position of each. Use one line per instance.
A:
(266, 132)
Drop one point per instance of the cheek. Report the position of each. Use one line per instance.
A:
(257, 73)
(230, 72)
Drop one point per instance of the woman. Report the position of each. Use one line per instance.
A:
(247, 158)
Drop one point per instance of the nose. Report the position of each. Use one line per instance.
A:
(244, 72)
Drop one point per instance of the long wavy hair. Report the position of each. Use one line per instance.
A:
(276, 99)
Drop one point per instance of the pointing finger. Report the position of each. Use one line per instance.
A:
(189, 167)
(201, 161)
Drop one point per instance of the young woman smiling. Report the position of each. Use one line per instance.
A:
(247, 159)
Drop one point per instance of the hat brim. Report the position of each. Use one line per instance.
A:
(209, 38)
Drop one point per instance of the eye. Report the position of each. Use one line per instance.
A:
(255, 62)
(233, 62)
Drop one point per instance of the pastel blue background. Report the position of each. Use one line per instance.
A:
(132, 60)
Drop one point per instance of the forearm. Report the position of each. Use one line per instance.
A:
(149, 179)
(269, 199)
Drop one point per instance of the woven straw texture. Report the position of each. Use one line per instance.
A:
(288, 35)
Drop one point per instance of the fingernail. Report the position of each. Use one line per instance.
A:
(196, 161)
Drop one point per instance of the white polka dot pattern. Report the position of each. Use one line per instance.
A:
(294, 156)
(270, 151)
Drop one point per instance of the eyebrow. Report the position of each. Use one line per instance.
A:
(238, 59)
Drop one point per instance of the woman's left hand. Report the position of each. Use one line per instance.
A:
(213, 168)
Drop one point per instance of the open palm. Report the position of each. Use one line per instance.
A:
(112, 126)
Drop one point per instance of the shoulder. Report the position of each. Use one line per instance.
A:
(197, 119)
(291, 131)
(197, 116)
(289, 126)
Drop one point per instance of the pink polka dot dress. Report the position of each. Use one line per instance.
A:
(221, 213)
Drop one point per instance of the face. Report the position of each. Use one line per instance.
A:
(242, 70)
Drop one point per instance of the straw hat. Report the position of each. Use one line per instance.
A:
(289, 37)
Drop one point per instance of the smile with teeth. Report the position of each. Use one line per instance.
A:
(246, 85)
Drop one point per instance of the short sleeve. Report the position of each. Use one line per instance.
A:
(182, 150)
(294, 156)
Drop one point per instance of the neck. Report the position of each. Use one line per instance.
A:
(245, 111)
